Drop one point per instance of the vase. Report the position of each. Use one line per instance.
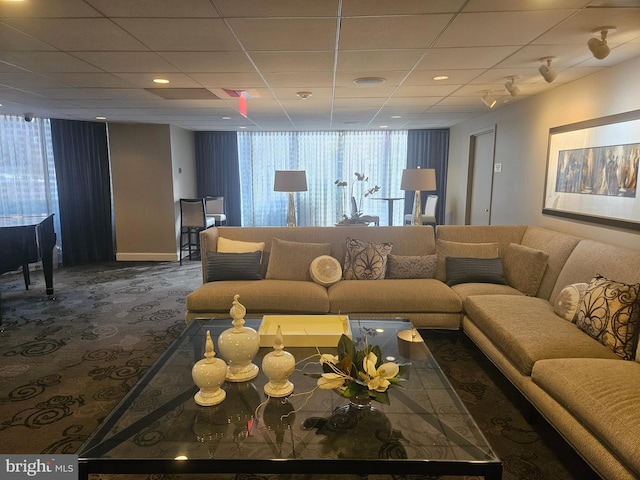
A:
(278, 365)
(239, 345)
(208, 374)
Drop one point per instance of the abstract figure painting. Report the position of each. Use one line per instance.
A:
(592, 171)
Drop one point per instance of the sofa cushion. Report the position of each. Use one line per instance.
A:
(567, 302)
(524, 268)
(233, 266)
(226, 245)
(464, 290)
(609, 312)
(411, 266)
(365, 260)
(602, 395)
(291, 260)
(474, 270)
(272, 296)
(526, 330)
(445, 248)
(393, 296)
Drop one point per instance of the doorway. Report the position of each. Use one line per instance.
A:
(480, 177)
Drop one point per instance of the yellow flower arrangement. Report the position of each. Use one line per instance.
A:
(359, 373)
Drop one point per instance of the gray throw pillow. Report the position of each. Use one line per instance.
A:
(233, 266)
(474, 270)
(291, 260)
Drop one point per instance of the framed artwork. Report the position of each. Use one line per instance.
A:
(592, 171)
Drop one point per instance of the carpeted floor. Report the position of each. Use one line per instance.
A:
(65, 363)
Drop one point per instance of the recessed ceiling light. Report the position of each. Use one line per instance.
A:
(369, 81)
(160, 80)
(441, 77)
(396, 116)
(242, 127)
(101, 118)
(226, 118)
(384, 126)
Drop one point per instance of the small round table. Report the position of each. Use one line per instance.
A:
(390, 200)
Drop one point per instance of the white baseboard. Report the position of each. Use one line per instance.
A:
(147, 257)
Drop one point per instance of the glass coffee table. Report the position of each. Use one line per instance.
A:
(158, 427)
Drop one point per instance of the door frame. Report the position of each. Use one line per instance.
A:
(491, 129)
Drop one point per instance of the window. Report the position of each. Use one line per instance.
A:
(27, 171)
(326, 157)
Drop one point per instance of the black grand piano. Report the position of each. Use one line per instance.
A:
(25, 240)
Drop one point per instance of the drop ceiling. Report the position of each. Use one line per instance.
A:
(76, 59)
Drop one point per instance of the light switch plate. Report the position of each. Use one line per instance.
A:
(497, 167)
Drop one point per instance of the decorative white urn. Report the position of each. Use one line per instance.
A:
(238, 346)
(208, 374)
(278, 366)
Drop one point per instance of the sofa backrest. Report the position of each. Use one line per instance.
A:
(501, 234)
(413, 240)
(557, 245)
(590, 257)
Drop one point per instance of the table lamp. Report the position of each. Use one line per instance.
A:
(418, 179)
(290, 181)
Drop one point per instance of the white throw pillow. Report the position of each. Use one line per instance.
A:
(568, 301)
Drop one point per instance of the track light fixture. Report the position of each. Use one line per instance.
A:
(546, 71)
(488, 100)
(598, 46)
(511, 86)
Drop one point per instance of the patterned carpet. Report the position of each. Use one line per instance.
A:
(65, 363)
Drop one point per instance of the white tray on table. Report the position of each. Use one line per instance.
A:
(304, 330)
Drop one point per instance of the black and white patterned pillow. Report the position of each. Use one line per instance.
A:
(366, 260)
(610, 312)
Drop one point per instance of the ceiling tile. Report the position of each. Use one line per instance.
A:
(46, 62)
(205, 62)
(277, 8)
(289, 34)
(127, 62)
(391, 32)
(77, 34)
(154, 8)
(178, 34)
(405, 7)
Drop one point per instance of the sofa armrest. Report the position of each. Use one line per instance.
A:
(208, 243)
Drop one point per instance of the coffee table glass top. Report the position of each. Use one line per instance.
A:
(426, 428)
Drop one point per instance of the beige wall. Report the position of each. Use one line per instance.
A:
(145, 160)
(522, 132)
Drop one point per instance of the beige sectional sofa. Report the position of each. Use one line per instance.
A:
(426, 301)
(585, 390)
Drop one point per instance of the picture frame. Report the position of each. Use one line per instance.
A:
(592, 171)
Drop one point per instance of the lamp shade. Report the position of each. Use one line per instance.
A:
(418, 179)
(290, 181)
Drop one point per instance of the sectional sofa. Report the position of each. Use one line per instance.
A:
(532, 299)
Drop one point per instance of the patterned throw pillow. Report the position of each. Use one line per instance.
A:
(609, 312)
(411, 266)
(366, 260)
(568, 301)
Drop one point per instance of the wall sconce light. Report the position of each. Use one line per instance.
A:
(290, 181)
(548, 73)
(598, 46)
(488, 100)
(511, 86)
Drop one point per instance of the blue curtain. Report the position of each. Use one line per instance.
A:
(429, 149)
(217, 170)
(81, 157)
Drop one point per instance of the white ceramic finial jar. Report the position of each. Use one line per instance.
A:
(208, 374)
(278, 366)
(238, 346)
